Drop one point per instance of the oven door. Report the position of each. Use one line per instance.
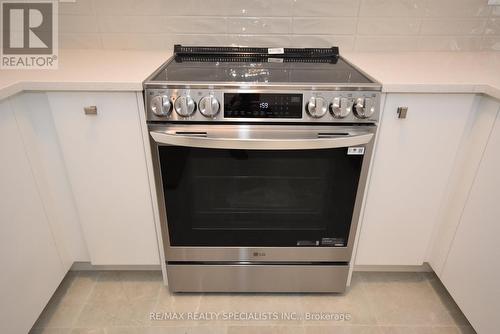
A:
(260, 192)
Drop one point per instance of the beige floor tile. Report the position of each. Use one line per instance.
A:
(122, 302)
(178, 303)
(352, 306)
(59, 314)
(445, 330)
(353, 329)
(50, 331)
(88, 331)
(127, 330)
(405, 330)
(266, 329)
(76, 286)
(187, 330)
(254, 309)
(122, 313)
(127, 286)
(405, 299)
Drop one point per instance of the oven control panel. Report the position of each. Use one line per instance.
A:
(205, 105)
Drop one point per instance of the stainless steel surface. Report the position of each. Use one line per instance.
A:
(161, 105)
(257, 278)
(264, 254)
(376, 87)
(90, 110)
(402, 111)
(317, 107)
(341, 107)
(184, 105)
(261, 137)
(209, 106)
(335, 114)
(304, 254)
(364, 107)
(328, 96)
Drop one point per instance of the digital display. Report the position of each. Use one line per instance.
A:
(265, 105)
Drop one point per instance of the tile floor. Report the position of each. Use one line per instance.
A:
(112, 302)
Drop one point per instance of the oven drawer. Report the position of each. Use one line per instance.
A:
(257, 278)
(260, 254)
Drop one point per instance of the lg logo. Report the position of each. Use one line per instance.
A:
(29, 28)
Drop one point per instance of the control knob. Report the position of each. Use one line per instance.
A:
(161, 105)
(184, 106)
(317, 107)
(209, 106)
(341, 107)
(364, 107)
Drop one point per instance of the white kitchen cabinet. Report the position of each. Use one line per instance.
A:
(30, 264)
(471, 272)
(472, 147)
(105, 162)
(411, 167)
(34, 119)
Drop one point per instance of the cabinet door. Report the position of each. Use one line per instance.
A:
(105, 161)
(412, 162)
(30, 264)
(471, 272)
(34, 120)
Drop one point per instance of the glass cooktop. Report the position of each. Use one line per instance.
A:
(268, 70)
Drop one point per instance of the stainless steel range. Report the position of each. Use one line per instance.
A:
(261, 158)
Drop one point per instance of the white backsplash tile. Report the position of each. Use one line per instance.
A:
(388, 26)
(259, 7)
(324, 25)
(134, 7)
(491, 44)
(259, 40)
(80, 41)
(326, 8)
(344, 42)
(132, 24)
(256, 25)
(79, 7)
(453, 26)
(195, 24)
(493, 26)
(198, 39)
(78, 23)
(457, 8)
(362, 25)
(391, 8)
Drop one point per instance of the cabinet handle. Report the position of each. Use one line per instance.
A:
(402, 111)
(90, 110)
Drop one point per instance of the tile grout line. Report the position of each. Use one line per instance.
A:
(85, 303)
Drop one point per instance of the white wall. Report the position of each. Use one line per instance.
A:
(361, 25)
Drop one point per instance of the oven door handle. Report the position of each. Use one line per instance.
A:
(203, 141)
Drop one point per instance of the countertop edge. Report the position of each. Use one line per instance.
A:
(146, 62)
(18, 87)
(21, 86)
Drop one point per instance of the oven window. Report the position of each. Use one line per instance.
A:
(217, 197)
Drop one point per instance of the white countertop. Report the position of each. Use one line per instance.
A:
(92, 70)
(415, 72)
(433, 72)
